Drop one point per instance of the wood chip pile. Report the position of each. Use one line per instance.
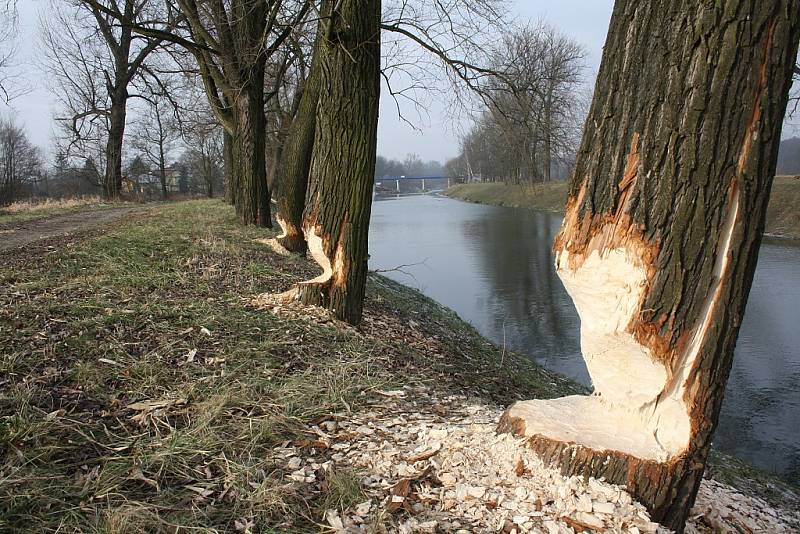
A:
(429, 464)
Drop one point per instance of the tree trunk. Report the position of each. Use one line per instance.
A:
(339, 196)
(298, 148)
(547, 162)
(249, 164)
(660, 239)
(230, 175)
(162, 170)
(112, 180)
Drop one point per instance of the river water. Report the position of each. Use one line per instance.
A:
(494, 267)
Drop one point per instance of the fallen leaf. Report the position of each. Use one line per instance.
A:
(399, 494)
(203, 492)
(149, 406)
(425, 455)
(520, 469)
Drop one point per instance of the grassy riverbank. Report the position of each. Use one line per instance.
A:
(783, 216)
(145, 386)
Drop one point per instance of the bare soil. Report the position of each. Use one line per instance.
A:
(21, 234)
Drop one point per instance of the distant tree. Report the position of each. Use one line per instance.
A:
(155, 133)
(413, 165)
(789, 156)
(532, 119)
(8, 32)
(20, 162)
(203, 157)
(93, 60)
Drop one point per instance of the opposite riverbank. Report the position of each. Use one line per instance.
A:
(783, 215)
(151, 381)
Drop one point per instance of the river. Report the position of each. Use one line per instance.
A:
(494, 267)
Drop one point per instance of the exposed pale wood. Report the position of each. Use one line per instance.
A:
(672, 182)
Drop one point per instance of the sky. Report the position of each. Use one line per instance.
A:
(434, 136)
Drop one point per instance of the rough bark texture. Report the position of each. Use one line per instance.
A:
(339, 196)
(112, 180)
(675, 169)
(249, 139)
(297, 150)
(230, 175)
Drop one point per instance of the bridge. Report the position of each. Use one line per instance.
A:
(410, 185)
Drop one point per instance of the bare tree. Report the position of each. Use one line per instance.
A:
(155, 133)
(535, 113)
(20, 161)
(232, 43)
(339, 196)
(202, 137)
(94, 60)
(8, 32)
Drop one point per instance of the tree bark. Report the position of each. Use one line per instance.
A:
(249, 162)
(112, 180)
(660, 239)
(296, 154)
(339, 196)
(230, 175)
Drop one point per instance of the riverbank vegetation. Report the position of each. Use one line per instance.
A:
(152, 381)
(783, 215)
(142, 379)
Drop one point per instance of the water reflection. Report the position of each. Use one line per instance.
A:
(494, 267)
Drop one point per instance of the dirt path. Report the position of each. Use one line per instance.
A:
(19, 235)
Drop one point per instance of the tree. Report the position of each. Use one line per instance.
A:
(232, 43)
(94, 61)
(20, 162)
(532, 117)
(294, 161)
(660, 239)
(8, 32)
(203, 157)
(339, 196)
(156, 131)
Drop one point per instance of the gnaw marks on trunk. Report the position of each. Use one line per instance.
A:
(339, 195)
(660, 239)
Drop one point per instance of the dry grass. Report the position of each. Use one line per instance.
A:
(29, 210)
(25, 206)
(783, 214)
(141, 391)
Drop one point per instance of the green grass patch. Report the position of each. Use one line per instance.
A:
(783, 214)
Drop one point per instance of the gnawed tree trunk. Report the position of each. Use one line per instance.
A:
(297, 150)
(661, 236)
(339, 196)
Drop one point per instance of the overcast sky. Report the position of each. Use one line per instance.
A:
(436, 136)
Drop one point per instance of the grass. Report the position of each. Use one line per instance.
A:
(783, 214)
(550, 197)
(140, 391)
(26, 210)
